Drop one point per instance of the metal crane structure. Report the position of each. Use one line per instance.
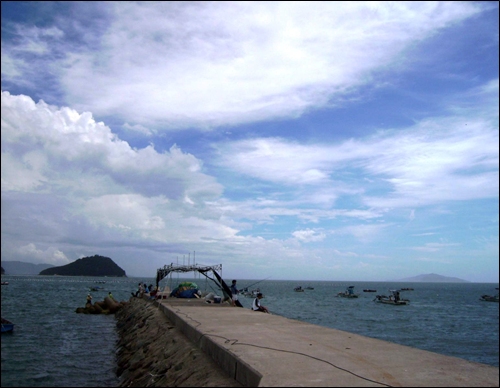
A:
(205, 270)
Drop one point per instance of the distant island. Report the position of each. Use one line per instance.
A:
(433, 278)
(22, 268)
(88, 266)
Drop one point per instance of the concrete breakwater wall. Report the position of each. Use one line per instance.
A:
(151, 352)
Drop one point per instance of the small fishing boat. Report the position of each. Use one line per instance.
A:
(298, 289)
(369, 290)
(393, 299)
(309, 288)
(5, 283)
(348, 293)
(96, 288)
(7, 326)
(407, 289)
(489, 298)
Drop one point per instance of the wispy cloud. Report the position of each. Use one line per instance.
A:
(174, 65)
(437, 159)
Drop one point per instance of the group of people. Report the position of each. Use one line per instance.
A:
(89, 298)
(256, 305)
(143, 289)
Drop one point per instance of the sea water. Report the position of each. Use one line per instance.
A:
(53, 346)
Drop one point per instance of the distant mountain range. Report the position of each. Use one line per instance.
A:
(23, 268)
(433, 278)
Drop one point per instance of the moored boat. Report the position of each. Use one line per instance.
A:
(96, 289)
(489, 298)
(348, 293)
(394, 298)
(7, 326)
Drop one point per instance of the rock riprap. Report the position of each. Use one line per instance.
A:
(107, 306)
(151, 352)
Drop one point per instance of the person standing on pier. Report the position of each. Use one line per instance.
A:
(234, 293)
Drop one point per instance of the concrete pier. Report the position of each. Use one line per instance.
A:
(265, 350)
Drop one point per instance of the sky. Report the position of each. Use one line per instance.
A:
(284, 140)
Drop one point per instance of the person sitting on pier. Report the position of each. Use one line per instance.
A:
(139, 288)
(256, 306)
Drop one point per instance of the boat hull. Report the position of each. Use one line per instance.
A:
(398, 303)
(7, 326)
(386, 300)
(488, 298)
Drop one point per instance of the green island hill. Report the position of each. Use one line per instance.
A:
(88, 266)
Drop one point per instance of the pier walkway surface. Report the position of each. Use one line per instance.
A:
(267, 350)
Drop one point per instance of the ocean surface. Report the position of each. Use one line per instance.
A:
(52, 346)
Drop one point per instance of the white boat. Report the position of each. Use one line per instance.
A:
(348, 293)
(394, 298)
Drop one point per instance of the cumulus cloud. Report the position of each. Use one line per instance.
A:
(51, 255)
(98, 181)
(203, 64)
(43, 143)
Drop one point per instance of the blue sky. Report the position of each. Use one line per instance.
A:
(323, 141)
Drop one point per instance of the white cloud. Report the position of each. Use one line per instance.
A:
(30, 253)
(435, 247)
(138, 128)
(11, 67)
(61, 144)
(100, 182)
(363, 233)
(203, 64)
(18, 175)
(309, 235)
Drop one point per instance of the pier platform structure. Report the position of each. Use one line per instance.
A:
(266, 350)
